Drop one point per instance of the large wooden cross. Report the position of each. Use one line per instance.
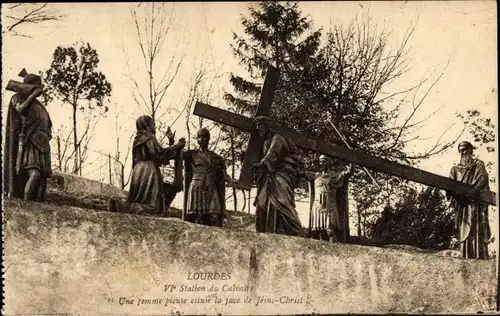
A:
(322, 146)
(254, 147)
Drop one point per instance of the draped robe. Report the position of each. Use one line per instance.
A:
(26, 145)
(275, 200)
(471, 218)
(146, 195)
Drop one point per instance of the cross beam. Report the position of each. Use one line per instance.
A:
(254, 147)
(355, 156)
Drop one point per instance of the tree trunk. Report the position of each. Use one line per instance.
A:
(358, 210)
(249, 199)
(109, 170)
(244, 201)
(364, 224)
(80, 159)
(75, 141)
(59, 158)
(233, 158)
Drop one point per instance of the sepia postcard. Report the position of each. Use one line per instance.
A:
(250, 158)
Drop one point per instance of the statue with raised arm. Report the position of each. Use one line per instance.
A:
(146, 195)
(205, 184)
(170, 189)
(471, 217)
(329, 207)
(27, 161)
(276, 175)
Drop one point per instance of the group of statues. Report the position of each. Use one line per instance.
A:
(27, 165)
(276, 175)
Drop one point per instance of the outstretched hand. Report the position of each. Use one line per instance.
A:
(234, 183)
(37, 92)
(169, 133)
(257, 170)
(255, 167)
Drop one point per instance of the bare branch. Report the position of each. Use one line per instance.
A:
(417, 106)
(152, 28)
(129, 148)
(31, 14)
(438, 148)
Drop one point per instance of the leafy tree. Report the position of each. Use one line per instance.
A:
(275, 34)
(422, 219)
(419, 219)
(482, 131)
(74, 79)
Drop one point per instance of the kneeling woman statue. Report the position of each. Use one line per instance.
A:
(146, 195)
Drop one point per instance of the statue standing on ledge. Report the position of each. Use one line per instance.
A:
(276, 175)
(27, 161)
(205, 189)
(146, 195)
(471, 218)
(329, 213)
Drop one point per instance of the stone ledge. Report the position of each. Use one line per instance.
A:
(78, 261)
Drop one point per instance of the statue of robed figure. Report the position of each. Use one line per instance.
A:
(146, 195)
(471, 217)
(27, 161)
(276, 176)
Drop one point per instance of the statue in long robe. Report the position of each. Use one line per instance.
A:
(471, 217)
(146, 195)
(27, 161)
(205, 184)
(329, 207)
(276, 175)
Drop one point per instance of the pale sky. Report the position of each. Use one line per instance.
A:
(463, 32)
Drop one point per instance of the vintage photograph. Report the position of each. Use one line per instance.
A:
(250, 158)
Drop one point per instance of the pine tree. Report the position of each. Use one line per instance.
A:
(275, 34)
(419, 219)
